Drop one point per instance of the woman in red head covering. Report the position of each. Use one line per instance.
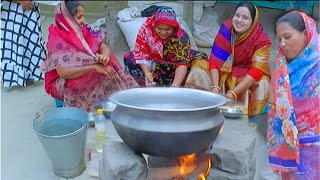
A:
(162, 53)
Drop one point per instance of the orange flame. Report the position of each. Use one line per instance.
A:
(188, 164)
(185, 161)
(203, 176)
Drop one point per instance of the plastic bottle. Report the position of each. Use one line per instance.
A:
(100, 125)
(92, 118)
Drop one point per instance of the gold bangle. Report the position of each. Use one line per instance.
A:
(233, 93)
(212, 87)
(147, 73)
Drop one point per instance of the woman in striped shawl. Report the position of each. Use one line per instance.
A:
(239, 63)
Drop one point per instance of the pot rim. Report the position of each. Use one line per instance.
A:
(113, 98)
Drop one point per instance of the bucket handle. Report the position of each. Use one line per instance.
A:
(37, 116)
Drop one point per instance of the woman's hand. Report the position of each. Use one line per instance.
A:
(102, 58)
(215, 90)
(254, 87)
(180, 74)
(26, 5)
(104, 69)
(214, 77)
(148, 78)
(104, 54)
(230, 96)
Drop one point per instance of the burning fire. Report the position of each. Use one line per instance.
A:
(189, 163)
(186, 161)
(203, 176)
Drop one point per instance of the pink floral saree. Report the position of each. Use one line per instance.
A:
(72, 46)
(294, 116)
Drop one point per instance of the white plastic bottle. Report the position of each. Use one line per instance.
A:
(100, 125)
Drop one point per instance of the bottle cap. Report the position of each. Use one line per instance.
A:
(99, 111)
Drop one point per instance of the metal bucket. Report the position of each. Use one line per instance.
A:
(62, 133)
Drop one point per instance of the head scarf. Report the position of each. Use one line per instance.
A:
(149, 46)
(80, 43)
(294, 108)
(246, 34)
(228, 47)
(165, 15)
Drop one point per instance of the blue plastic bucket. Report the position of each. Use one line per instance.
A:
(62, 133)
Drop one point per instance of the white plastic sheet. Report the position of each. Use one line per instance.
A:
(205, 30)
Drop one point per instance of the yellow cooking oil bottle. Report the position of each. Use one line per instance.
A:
(100, 125)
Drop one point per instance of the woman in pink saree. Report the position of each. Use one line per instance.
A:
(80, 68)
(294, 116)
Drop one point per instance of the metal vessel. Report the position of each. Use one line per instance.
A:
(167, 121)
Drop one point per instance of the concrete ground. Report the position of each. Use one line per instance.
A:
(22, 156)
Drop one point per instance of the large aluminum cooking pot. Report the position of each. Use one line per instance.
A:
(167, 121)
